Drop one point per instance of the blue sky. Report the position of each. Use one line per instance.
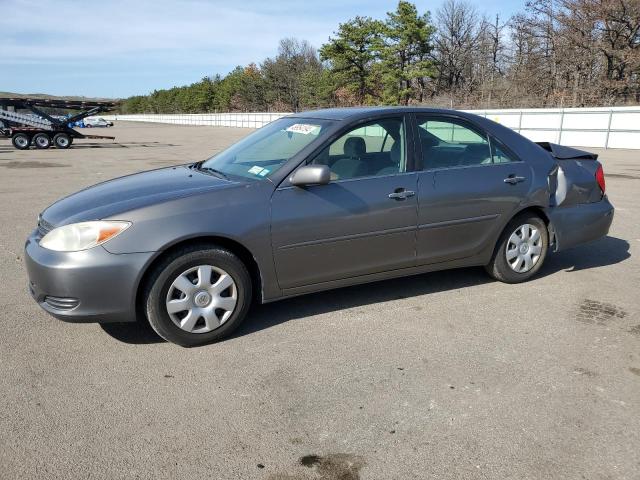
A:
(117, 48)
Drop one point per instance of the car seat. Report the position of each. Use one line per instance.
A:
(395, 156)
(475, 154)
(351, 164)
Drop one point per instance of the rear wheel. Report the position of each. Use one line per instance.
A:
(62, 140)
(21, 141)
(521, 249)
(42, 140)
(197, 295)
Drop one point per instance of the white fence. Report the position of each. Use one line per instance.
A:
(242, 120)
(616, 127)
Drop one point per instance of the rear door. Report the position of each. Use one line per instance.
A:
(362, 222)
(468, 186)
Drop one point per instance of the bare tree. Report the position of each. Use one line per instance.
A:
(579, 51)
(492, 59)
(456, 41)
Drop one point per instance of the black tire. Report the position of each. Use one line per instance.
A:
(499, 267)
(41, 141)
(21, 141)
(62, 140)
(173, 266)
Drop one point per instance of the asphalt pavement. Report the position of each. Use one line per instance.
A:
(447, 375)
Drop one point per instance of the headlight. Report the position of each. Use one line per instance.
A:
(81, 236)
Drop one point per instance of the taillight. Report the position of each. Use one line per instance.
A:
(600, 178)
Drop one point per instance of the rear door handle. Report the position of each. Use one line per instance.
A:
(401, 194)
(513, 179)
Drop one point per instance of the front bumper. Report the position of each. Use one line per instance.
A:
(88, 286)
(582, 223)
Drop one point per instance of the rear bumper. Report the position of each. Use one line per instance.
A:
(88, 286)
(578, 224)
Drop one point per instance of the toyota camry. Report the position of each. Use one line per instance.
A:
(310, 202)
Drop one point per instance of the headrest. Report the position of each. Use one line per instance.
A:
(355, 147)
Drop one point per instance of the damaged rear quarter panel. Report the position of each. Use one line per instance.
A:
(578, 210)
(576, 182)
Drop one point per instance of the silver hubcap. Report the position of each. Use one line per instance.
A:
(524, 248)
(42, 141)
(22, 141)
(201, 299)
(63, 142)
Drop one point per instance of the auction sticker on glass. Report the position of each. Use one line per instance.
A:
(303, 128)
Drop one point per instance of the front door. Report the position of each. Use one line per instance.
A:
(469, 185)
(362, 222)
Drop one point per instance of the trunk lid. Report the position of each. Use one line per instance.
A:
(561, 152)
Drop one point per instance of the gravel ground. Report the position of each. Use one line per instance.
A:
(444, 375)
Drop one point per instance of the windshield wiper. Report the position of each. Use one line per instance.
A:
(217, 173)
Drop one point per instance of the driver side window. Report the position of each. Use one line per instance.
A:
(373, 149)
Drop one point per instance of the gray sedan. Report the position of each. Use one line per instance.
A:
(310, 202)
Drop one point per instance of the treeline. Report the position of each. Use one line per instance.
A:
(554, 53)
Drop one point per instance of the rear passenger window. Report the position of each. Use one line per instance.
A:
(448, 143)
(374, 149)
(452, 133)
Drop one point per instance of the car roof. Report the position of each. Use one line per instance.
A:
(355, 113)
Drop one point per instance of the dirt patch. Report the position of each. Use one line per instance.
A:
(635, 371)
(598, 313)
(310, 460)
(33, 164)
(584, 371)
(334, 466)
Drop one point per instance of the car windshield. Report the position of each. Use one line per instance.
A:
(263, 152)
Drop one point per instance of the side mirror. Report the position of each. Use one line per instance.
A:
(311, 175)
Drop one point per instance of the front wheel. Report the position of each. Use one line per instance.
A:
(197, 295)
(521, 250)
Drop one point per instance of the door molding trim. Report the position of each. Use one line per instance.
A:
(459, 221)
(354, 236)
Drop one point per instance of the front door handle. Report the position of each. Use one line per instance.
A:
(513, 179)
(401, 194)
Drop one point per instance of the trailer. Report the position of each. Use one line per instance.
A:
(24, 121)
